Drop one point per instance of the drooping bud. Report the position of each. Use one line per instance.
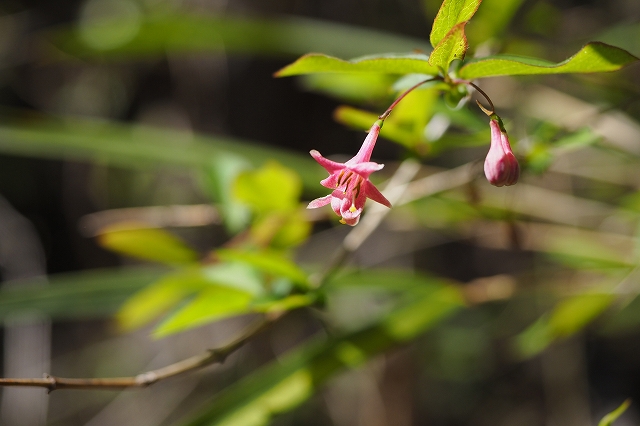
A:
(501, 166)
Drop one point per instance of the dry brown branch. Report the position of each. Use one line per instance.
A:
(148, 378)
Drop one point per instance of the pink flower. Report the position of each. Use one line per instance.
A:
(350, 181)
(500, 167)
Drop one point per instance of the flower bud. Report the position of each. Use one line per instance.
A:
(501, 166)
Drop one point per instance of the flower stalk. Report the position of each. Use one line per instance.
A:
(350, 182)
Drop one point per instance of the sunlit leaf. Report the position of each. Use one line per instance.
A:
(573, 314)
(152, 244)
(584, 252)
(236, 275)
(285, 304)
(453, 46)
(360, 87)
(451, 13)
(283, 385)
(269, 261)
(608, 419)
(534, 339)
(212, 304)
(413, 114)
(567, 318)
(146, 305)
(362, 120)
(271, 188)
(382, 64)
(282, 230)
(218, 180)
(594, 57)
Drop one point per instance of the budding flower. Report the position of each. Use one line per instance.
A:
(500, 167)
(350, 181)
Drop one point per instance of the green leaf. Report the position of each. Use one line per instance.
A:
(269, 261)
(451, 13)
(586, 251)
(218, 180)
(360, 87)
(453, 46)
(149, 303)
(211, 304)
(286, 383)
(272, 188)
(152, 244)
(391, 130)
(283, 36)
(288, 303)
(361, 120)
(234, 275)
(613, 416)
(573, 314)
(87, 294)
(567, 318)
(282, 230)
(594, 57)
(385, 64)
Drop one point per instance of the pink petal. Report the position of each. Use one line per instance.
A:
(330, 182)
(364, 154)
(336, 201)
(330, 166)
(319, 202)
(504, 139)
(372, 192)
(345, 205)
(501, 166)
(347, 214)
(365, 169)
(351, 222)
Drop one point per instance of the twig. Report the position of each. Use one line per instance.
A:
(212, 356)
(400, 190)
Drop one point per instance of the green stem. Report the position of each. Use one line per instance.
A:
(406, 92)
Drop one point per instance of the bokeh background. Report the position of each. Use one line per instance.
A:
(78, 150)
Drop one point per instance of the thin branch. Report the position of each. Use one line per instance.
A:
(212, 356)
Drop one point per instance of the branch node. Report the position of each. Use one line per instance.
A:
(146, 379)
(53, 384)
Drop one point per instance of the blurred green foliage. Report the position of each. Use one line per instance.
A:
(578, 150)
